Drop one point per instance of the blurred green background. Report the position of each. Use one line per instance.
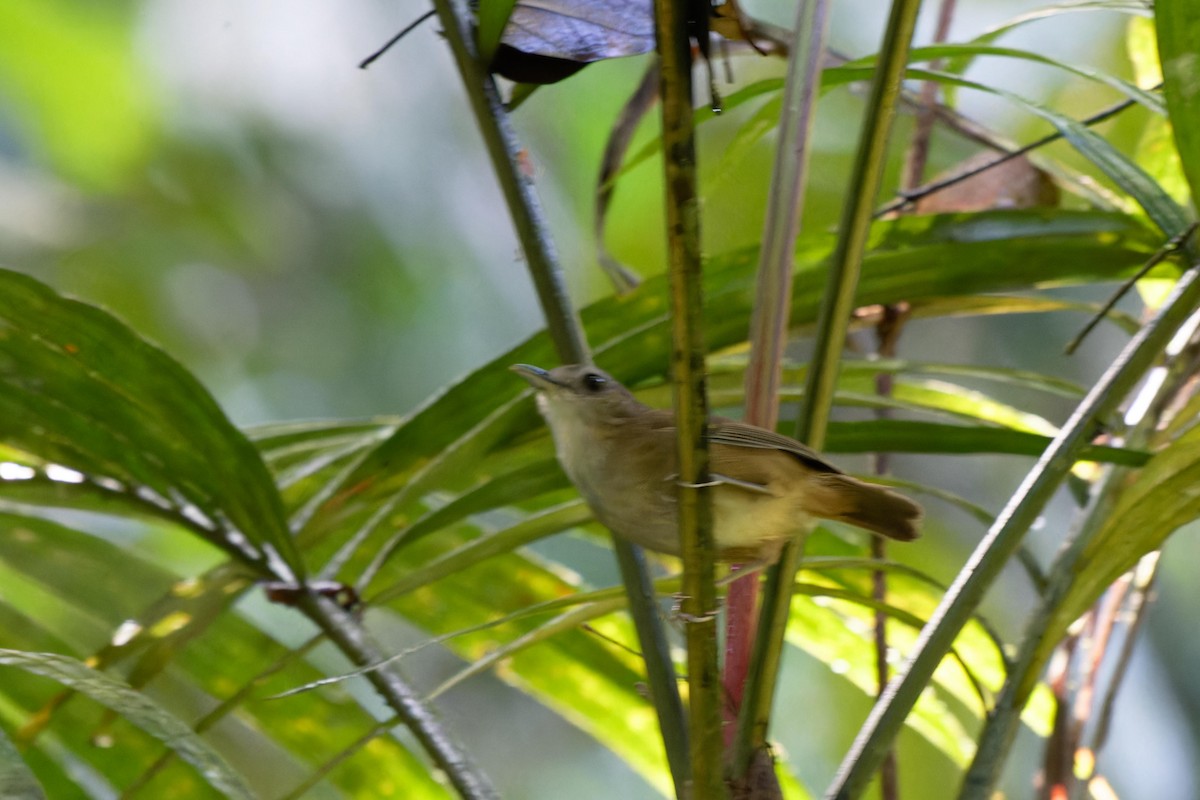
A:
(315, 240)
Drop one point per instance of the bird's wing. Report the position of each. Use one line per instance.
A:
(739, 434)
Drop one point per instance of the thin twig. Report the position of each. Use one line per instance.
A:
(918, 150)
(1144, 576)
(371, 59)
(909, 197)
(1169, 248)
(887, 333)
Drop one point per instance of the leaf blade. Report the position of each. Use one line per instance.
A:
(138, 709)
(85, 391)
(1178, 26)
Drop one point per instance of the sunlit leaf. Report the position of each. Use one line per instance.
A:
(857, 388)
(1178, 25)
(960, 306)
(1162, 497)
(119, 582)
(1132, 7)
(528, 529)
(1156, 150)
(582, 678)
(906, 436)
(84, 392)
(974, 50)
(1051, 384)
(138, 709)
(17, 782)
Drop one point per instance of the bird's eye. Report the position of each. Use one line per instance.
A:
(593, 382)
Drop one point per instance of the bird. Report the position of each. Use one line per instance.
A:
(767, 488)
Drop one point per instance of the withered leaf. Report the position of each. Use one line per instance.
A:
(547, 40)
(1016, 183)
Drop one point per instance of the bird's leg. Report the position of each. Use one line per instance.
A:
(678, 613)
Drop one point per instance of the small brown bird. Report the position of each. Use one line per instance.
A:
(621, 456)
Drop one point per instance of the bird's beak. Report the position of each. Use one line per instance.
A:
(538, 378)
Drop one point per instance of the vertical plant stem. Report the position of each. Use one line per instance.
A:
(832, 323)
(1004, 537)
(772, 301)
(1144, 576)
(656, 651)
(918, 150)
(568, 337)
(887, 332)
(523, 203)
(785, 203)
(889, 770)
(699, 602)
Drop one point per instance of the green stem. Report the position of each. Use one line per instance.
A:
(567, 335)
(998, 733)
(832, 323)
(660, 670)
(699, 603)
(773, 297)
(776, 263)
(523, 205)
(994, 552)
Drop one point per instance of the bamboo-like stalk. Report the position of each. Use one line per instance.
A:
(773, 295)
(832, 322)
(887, 333)
(1000, 729)
(568, 337)
(699, 603)
(995, 550)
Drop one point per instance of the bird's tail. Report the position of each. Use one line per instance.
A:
(868, 506)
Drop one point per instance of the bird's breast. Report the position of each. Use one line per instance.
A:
(629, 479)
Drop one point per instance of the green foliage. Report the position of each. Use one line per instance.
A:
(16, 779)
(493, 17)
(137, 520)
(1178, 27)
(69, 63)
(1157, 503)
(84, 392)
